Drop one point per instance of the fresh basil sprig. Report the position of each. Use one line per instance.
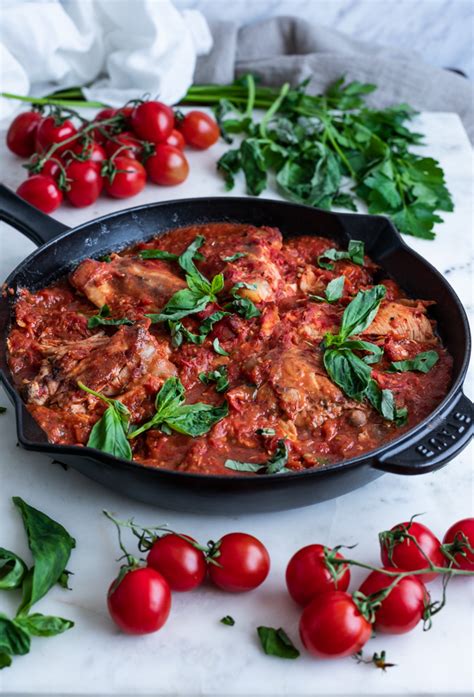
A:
(355, 253)
(276, 642)
(423, 362)
(274, 465)
(333, 291)
(109, 433)
(103, 318)
(12, 570)
(179, 333)
(171, 412)
(240, 305)
(218, 375)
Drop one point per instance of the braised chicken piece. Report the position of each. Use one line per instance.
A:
(405, 319)
(127, 282)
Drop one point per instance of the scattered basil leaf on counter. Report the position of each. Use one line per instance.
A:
(423, 362)
(218, 348)
(276, 642)
(51, 547)
(103, 318)
(2, 410)
(333, 291)
(355, 253)
(5, 659)
(109, 433)
(63, 580)
(228, 620)
(218, 375)
(43, 625)
(12, 570)
(274, 465)
(14, 640)
(234, 257)
(189, 419)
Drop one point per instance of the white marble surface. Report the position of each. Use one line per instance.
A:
(441, 31)
(194, 654)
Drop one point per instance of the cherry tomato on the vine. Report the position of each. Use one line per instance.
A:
(398, 549)
(199, 129)
(101, 135)
(332, 626)
(404, 606)
(140, 603)
(52, 131)
(307, 575)
(51, 168)
(178, 561)
(84, 183)
(243, 563)
(176, 139)
(462, 534)
(126, 143)
(91, 151)
(21, 134)
(129, 178)
(152, 121)
(168, 166)
(42, 192)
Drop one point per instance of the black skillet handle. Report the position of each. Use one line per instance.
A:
(38, 226)
(449, 435)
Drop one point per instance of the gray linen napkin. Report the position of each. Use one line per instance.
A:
(289, 49)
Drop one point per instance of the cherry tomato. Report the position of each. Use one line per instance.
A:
(50, 131)
(103, 115)
(403, 608)
(168, 166)
(133, 148)
(92, 152)
(176, 139)
(141, 601)
(84, 183)
(51, 168)
(21, 135)
(406, 553)
(243, 561)
(128, 181)
(332, 626)
(42, 192)
(307, 575)
(199, 130)
(152, 121)
(179, 562)
(460, 533)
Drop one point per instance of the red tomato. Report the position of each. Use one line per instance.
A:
(21, 135)
(152, 121)
(199, 130)
(307, 575)
(176, 139)
(42, 192)
(103, 115)
(243, 561)
(168, 166)
(461, 533)
(51, 132)
(179, 562)
(128, 181)
(133, 147)
(92, 152)
(51, 168)
(332, 626)
(84, 183)
(141, 602)
(406, 553)
(403, 608)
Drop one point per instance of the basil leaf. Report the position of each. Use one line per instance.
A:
(384, 402)
(375, 352)
(186, 259)
(423, 362)
(170, 396)
(12, 570)
(14, 640)
(102, 318)
(348, 371)
(109, 433)
(275, 464)
(265, 431)
(228, 620)
(333, 292)
(183, 303)
(5, 660)
(218, 375)
(50, 545)
(243, 306)
(276, 642)
(361, 311)
(218, 348)
(355, 253)
(43, 625)
(234, 257)
(161, 254)
(196, 419)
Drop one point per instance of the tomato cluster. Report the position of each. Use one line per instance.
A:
(116, 152)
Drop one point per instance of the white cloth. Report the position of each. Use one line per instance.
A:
(120, 48)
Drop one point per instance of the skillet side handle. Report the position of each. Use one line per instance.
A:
(34, 224)
(449, 436)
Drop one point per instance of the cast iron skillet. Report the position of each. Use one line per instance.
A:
(428, 446)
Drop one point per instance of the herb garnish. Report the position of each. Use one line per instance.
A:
(179, 333)
(243, 306)
(274, 465)
(423, 362)
(265, 431)
(109, 433)
(355, 253)
(333, 292)
(161, 254)
(103, 318)
(276, 642)
(171, 412)
(218, 375)
(218, 348)
(234, 257)
(228, 620)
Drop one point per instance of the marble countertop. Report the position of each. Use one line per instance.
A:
(194, 654)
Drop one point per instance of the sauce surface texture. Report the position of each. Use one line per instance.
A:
(277, 386)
